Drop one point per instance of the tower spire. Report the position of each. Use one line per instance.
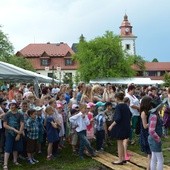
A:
(127, 37)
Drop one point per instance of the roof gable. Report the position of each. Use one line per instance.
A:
(44, 55)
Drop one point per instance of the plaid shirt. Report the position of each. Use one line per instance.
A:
(32, 128)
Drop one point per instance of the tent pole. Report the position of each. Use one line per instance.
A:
(36, 87)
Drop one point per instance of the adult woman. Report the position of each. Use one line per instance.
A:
(14, 125)
(97, 93)
(120, 128)
(145, 106)
(109, 93)
(134, 108)
(86, 96)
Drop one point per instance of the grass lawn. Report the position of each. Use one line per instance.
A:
(68, 161)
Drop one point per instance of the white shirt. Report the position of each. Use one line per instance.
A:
(54, 91)
(133, 102)
(81, 122)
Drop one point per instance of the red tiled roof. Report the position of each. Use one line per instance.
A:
(155, 66)
(36, 50)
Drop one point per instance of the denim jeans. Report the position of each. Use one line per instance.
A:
(84, 142)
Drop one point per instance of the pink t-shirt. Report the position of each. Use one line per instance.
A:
(90, 116)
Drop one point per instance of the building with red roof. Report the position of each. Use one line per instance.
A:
(49, 59)
(153, 70)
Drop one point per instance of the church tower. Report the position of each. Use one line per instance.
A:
(127, 37)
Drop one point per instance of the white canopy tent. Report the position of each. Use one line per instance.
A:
(125, 81)
(9, 72)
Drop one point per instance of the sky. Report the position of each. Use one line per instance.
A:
(54, 21)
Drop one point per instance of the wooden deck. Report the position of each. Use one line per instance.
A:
(137, 162)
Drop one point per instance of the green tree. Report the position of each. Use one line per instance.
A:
(155, 60)
(21, 62)
(67, 79)
(6, 48)
(102, 57)
(167, 79)
(138, 61)
(7, 54)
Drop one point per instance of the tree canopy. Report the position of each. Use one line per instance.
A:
(6, 48)
(155, 60)
(102, 57)
(167, 79)
(138, 61)
(7, 53)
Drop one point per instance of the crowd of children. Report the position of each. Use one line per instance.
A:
(80, 116)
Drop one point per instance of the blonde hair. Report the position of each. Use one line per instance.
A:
(82, 106)
(48, 109)
(51, 101)
(95, 88)
(87, 93)
(31, 96)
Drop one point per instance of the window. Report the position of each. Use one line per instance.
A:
(50, 75)
(68, 75)
(127, 46)
(139, 73)
(45, 62)
(152, 73)
(68, 61)
(162, 73)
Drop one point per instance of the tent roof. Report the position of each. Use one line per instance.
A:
(139, 81)
(14, 73)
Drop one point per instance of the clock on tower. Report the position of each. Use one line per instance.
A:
(126, 30)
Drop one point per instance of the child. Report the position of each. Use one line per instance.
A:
(32, 135)
(61, 123)
(73, 133)
(154, 140)
(23, 111)
(40, 122)
(31, 98)
(101, 128)
(82, 122)
(109, 117)
(90, 127)
(52, 131)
